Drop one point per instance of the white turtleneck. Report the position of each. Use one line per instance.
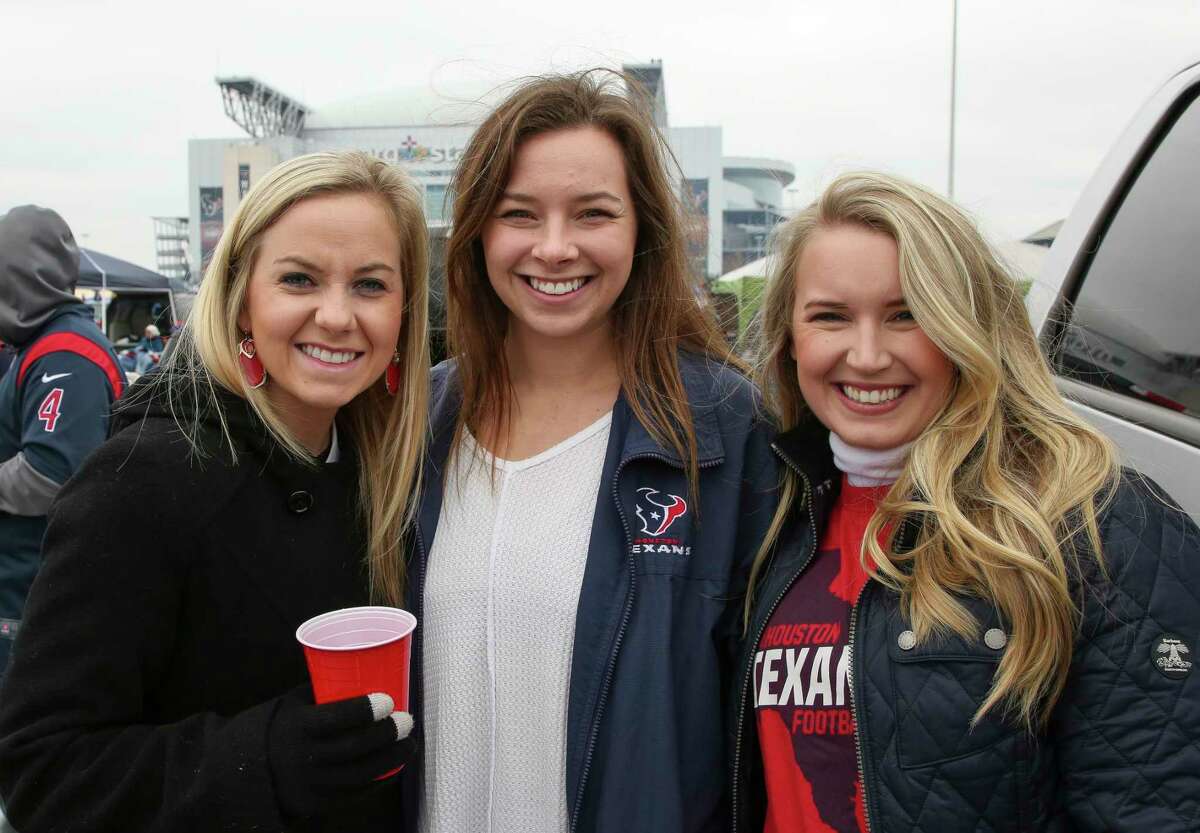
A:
(868, 466)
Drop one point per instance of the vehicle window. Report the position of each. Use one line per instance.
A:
(1133, 327)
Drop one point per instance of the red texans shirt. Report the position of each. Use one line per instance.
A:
(802, 684)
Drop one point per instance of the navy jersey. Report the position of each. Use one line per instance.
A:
(55, 400)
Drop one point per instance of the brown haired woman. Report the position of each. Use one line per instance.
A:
(599, 481)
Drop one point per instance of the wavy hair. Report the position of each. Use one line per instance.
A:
(389, 432)
(1005, 483)
(656, 314)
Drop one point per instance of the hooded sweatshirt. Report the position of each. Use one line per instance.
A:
(54, 400)
(39, 267)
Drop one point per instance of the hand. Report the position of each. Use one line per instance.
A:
(321, 755)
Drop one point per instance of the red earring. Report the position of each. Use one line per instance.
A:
(391, 377)
(252, 367)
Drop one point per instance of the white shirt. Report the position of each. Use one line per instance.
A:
(500, 599)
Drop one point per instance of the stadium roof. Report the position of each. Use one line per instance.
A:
(412, 106)
(260, 109)
(778, 169)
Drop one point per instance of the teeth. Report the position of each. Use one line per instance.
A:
(327, 356)
(555, 287)
(871, 397)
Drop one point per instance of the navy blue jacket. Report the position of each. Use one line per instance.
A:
(1121, 752)
(54, 407)
(657, 624)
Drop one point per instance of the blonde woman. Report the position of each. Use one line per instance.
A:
(971, 618)
(263, 475)
(599, 480)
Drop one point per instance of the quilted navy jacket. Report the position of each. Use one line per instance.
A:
(1122, 749)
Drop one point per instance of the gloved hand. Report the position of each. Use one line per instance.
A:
(322, 755)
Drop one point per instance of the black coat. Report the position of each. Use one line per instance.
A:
(1122, 749)
(161, 632)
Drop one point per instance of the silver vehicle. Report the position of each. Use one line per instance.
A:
(1118, 297)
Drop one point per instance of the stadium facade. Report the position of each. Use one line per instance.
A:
(732, 201)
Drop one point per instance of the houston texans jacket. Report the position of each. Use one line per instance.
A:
(658, 616)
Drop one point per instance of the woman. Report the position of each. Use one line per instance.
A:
(970, 616)
(598, 481)
(157, 683)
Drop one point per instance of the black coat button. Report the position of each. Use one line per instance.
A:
(299, 502)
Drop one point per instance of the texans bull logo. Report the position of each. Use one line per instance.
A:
(656, 514)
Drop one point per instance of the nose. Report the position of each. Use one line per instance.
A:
(869, 352)
(554, 244)
(334, 311)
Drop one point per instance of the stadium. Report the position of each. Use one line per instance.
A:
(732, 202)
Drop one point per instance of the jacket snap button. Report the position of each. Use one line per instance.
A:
(995, 639)
(299, 502)
(907, 640)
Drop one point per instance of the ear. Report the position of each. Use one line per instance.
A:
(243, 320)
(791, 347)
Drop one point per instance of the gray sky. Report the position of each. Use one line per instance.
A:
(99, 98)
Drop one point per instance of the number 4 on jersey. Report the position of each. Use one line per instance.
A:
(48, 411)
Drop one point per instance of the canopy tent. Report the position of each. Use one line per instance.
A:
(97, 270)
(103, 276)
(746, 284)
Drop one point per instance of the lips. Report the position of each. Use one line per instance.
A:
(557, 286)
(871, 400)
(327, 356)
(873, 395)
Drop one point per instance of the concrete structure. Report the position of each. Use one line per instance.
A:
(731, 203)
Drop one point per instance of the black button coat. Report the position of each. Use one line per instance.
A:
(161, 632)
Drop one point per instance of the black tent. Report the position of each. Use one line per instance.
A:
(97, 270)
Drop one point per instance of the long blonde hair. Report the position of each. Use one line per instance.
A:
(389, 432)
(1003, 481)
(657, 312)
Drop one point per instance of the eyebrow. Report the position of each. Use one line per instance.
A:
(516, 196)
(821, 302)
(375, 266)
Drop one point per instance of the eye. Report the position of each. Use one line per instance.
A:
(905, 316)
(597, 214)
(827, 315)
(371, 286)
(516, 214)
(296, 280)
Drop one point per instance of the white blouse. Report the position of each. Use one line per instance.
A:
(501, 593)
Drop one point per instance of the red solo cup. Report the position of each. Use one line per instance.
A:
(357, 651)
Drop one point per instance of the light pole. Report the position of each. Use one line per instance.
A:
(953, 77)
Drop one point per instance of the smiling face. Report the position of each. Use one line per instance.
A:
(559, 244)
(324, 304)
(865, 367)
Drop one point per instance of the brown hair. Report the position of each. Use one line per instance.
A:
(656, 314)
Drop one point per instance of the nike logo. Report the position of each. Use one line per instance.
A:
(46, 377)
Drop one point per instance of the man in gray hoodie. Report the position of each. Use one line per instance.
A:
(54, 399)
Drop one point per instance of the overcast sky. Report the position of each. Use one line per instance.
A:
(99, 98)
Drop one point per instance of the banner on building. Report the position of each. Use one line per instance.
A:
(695, 218)
(212, 220)
(243, 181)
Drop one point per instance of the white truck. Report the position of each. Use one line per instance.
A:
(1117, 301)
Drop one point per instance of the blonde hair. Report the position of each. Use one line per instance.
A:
(655, 315)
(389, 432)
(1005, 478)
